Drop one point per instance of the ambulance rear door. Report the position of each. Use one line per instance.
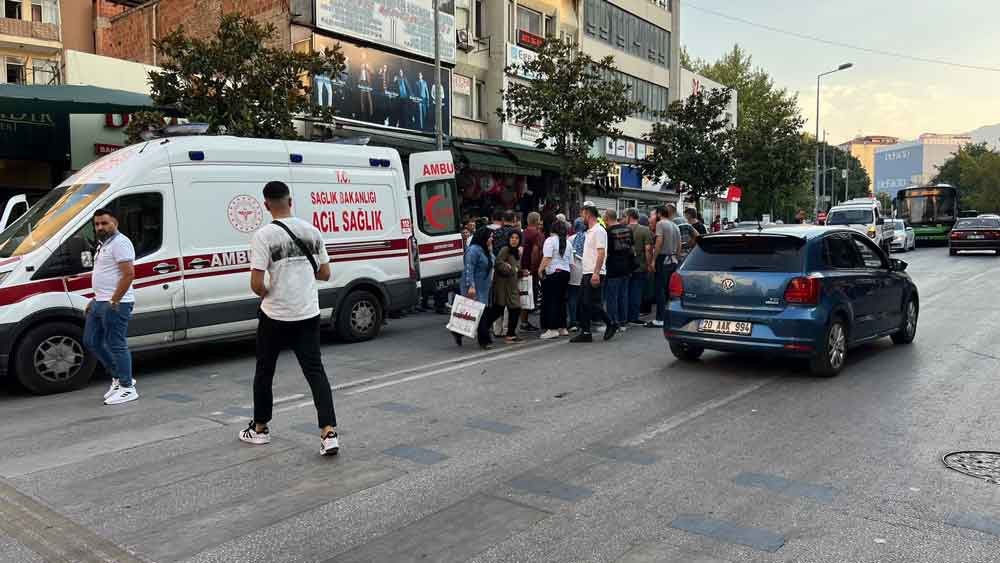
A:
(437, 223)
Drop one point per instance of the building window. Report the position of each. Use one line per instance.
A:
(653, 97)
(530, 21)
(462, 14)
(14, 70)
(462, 96)
(550, 26)
(481, 102)
(478, 15)
(43, 72)
(12, 9)
(626, 32)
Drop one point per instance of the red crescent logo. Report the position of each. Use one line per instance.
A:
(429, 211)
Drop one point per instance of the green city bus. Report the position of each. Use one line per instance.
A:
(931, 210)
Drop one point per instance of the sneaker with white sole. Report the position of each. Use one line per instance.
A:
(251, 436)
(114, 387)
(563, 332)
(122, 395)
(329, 444)
(549, 335)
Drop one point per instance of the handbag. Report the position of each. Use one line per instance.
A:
(465, 315)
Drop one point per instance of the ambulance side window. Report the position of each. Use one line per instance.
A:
(437, 209)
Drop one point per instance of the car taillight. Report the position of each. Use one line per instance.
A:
(993, 234)
(414, 255)
(676, 286)
(957, 234)
(803, 291)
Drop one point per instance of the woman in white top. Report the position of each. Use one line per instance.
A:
(557, 256)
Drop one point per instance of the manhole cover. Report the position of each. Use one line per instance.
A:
(984, 465)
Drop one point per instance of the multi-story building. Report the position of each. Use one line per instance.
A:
(864, 148)
(914, 163)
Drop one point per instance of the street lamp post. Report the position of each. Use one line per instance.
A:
(844, 66)
(439, 101)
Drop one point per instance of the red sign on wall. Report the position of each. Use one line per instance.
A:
(101, 149)
(529, 40)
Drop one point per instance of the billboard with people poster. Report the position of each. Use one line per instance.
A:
(383, 89)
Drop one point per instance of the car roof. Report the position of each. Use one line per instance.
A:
(801, 231)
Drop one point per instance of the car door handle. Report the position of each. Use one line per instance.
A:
(164, 268)
(198, 263)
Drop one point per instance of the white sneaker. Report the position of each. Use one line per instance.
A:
(654, 324)
(114, 387)
(251, 436)
(563, 332)
(122, 395)
(549, 335)
(329, 445)
(622, 328)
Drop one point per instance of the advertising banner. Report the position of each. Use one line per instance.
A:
(407, 25)
(383, 89)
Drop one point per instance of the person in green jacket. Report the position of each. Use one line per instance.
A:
(506, 286)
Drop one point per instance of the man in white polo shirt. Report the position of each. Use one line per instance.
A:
(109, 312)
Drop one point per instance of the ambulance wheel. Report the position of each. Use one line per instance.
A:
(360, 316)
(50, 358)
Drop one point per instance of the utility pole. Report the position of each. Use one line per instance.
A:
(823, 191)
(438, 90)
(847, 175)
(844, 66)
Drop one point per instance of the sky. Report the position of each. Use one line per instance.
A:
(880, 95)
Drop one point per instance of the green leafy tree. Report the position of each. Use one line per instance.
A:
(975, 170)
(574, 100)
(774, 162)
(694, 146)
(235, 81)
(141, 122)
(950, 172)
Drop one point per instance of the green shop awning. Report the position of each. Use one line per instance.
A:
(492, 162)
(523, 155)
(67, 98)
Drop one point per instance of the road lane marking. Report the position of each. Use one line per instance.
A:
(53, 457)
(694, 412)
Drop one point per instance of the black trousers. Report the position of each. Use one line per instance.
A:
(512, 316)
(303, 338)
(554, 288)
(591, 304)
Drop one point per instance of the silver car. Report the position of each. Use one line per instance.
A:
(903, 237)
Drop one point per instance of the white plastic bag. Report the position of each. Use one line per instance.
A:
(465, 315)
(526, 287)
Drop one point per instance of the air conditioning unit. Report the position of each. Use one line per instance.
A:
(463, 41)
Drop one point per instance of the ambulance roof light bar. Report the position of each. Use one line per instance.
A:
(178, 130)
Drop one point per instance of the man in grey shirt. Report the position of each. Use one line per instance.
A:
(666, 250)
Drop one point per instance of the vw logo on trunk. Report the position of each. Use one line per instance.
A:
(728, 284)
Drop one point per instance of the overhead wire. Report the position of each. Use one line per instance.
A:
(831, 42)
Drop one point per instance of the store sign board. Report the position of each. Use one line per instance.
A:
(620, 147)
(630, 149)
(34, 136)
(461, 85)
(407, 25)
(516, 56)
(529, 40)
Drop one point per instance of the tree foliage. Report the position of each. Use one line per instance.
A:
(141, 122)
(574, 101)
(236, 81)
(975, 171)
(694, 146)
(774, 159)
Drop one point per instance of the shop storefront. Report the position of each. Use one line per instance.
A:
(34, 153)
(629, 187)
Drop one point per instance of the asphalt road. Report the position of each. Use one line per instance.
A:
(539, 452)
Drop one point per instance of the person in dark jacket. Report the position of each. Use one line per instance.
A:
(507, 287)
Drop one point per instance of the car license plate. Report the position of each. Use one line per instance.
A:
(450, 283)
(725, 327)
(976, 237)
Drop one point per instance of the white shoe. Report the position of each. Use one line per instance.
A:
(251, 436)
(622, 328)
(549, 335)
(114, 387)
(563, 332)
(122, 395)
(329, 445)
(654, 324)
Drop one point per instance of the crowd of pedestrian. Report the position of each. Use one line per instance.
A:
(592, 276)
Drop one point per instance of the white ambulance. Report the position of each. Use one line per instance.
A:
(190, 206)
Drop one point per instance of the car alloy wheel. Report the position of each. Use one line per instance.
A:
(363, 317)
(911, 319)
(837, 346)
(58, 358)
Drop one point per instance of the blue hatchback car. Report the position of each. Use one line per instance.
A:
(802, 291)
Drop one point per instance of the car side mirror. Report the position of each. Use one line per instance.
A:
(897, 265)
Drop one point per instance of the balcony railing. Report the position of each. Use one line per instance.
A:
(29, 29)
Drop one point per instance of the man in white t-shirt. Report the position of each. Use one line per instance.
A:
(595, 253)
(106, 328)
(293, 254)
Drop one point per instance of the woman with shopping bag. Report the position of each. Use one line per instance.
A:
(507, 286)
(476, 283)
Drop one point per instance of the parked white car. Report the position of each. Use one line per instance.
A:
(903, 237)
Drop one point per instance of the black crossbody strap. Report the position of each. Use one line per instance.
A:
(302, 246)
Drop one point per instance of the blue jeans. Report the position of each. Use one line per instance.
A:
(616, 296)
(636, 289)
(104, 335)
(572, 300)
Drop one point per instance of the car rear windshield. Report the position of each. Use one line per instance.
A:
(746, 252)
(851, 217)
(981, 223)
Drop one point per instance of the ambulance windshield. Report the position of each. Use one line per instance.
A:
(47, 217)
